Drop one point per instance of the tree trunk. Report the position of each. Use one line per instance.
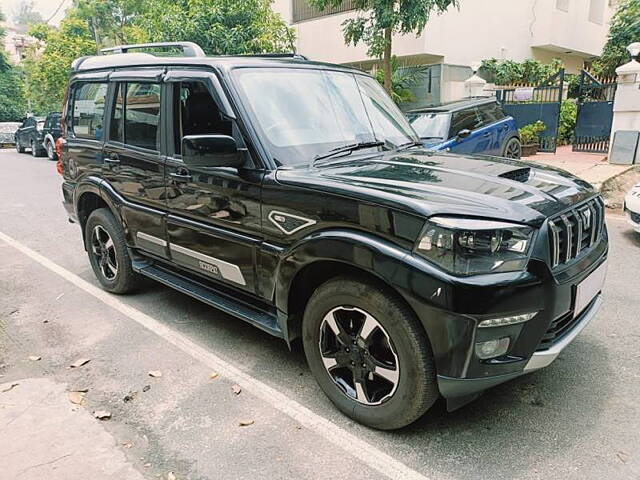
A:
(386, 60)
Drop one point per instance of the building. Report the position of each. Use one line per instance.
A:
(16, 43)
(572, 30)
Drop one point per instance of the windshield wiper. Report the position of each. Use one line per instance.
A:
(348, 149)
(408, 145)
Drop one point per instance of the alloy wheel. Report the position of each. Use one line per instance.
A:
(104, 252)
(358, 355)
(513, 149)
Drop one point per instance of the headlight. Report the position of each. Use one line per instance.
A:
(467, 247)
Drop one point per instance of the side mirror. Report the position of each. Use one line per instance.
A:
(211, 151)
(464, 133)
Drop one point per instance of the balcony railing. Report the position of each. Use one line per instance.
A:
(303, 11)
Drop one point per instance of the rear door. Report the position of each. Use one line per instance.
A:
(479, 141)
(495, 121)
(134, 162)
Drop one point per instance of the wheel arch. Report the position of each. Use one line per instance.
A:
(330, 255)
(89, 197)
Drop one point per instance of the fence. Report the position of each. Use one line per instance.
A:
(595, 113)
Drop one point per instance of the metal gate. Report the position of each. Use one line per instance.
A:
(595, 114)
(529, 103)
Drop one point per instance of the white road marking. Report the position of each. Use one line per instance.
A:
(363, 451)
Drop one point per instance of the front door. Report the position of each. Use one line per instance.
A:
(133, 163)
(478, 141)
(213, 226)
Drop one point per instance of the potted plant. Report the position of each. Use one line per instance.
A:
(530, 137)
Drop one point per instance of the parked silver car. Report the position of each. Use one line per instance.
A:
(7, 132)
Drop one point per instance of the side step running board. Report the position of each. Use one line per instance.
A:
(259, 318)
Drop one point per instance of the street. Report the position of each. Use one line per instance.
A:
(578, 418)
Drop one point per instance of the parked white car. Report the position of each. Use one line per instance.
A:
(632, 207)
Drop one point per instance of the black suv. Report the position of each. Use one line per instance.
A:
(39, 135)
(295, 196)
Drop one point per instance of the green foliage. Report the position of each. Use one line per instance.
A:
(110, 22)
(402, 78)
(47, 72)
(508, 72)
(374, 16)
(530, 134)
(568, 115)
(220, 27)
(13, 105)
(624, 30)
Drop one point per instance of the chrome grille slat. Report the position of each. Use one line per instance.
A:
(575, 231)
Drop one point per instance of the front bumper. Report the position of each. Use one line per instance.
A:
(632, 210)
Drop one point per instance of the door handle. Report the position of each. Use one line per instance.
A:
(180, 176)
(112, 158)
(486, 134)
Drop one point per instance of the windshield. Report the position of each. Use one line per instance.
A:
(304, 113)
(430, 125)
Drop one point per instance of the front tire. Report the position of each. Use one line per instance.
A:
(19, 147)
(369, 353)
(108, 254)
(35, 151)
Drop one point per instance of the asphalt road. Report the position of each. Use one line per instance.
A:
(577, 419)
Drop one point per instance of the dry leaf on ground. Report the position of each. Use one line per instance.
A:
(171, 476)
(246, 423)
(102, 414)
(236, 389)
(76, 397)
(80, 362)
(213, 375)
(35, 358)
(155, 373)
(10, 387)
(127, 445)
(146, 388)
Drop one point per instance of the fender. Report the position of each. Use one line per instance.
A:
(423, 288)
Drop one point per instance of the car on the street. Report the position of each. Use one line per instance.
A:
(8, 132)
(632, 207)
(473, 125)
(39, 135)
(51, 131)
(30, 136)
(294, 195)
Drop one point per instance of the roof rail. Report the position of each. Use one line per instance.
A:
(274, 55)
(189, 49)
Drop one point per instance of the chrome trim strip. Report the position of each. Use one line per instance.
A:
(594, 219)
(229, 271)
(151, 239)
(569, 237)
(578, 215)
(544, 358)
(555, 260)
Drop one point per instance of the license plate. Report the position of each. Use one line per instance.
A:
(589, 288)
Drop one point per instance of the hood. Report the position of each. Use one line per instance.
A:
(436, 183)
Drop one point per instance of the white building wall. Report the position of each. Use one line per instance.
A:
(479, 29)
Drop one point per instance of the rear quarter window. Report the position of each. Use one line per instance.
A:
(89, 101)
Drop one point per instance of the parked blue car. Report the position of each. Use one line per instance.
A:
(473, 125)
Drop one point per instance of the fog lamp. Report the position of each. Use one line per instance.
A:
(503, 321)
(492, 348)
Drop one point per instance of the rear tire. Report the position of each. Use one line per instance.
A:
(397, 381)
(35, 150)
(108, 254)
(512, 149)
(19, 147)
(51, 151)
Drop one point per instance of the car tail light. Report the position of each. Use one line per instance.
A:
(59, 144)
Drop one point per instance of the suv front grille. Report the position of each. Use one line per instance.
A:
(575, 231)
(559, 328)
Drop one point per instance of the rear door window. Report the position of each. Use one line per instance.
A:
(491, 113)
(464, 120)
(136, 115)
(88, 110)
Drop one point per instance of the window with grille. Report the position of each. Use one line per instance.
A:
(303, 11)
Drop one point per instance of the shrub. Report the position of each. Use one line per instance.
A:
(530, 134)
(568, 115)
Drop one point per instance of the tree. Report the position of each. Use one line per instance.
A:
(220, 27)
(12, 102)
(402, 79)
(25, 16)
(624, 30)
(378, 20)
(111, 21)
(47, 71)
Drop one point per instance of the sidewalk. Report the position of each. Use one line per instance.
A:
(591, 167)
(52, 438)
